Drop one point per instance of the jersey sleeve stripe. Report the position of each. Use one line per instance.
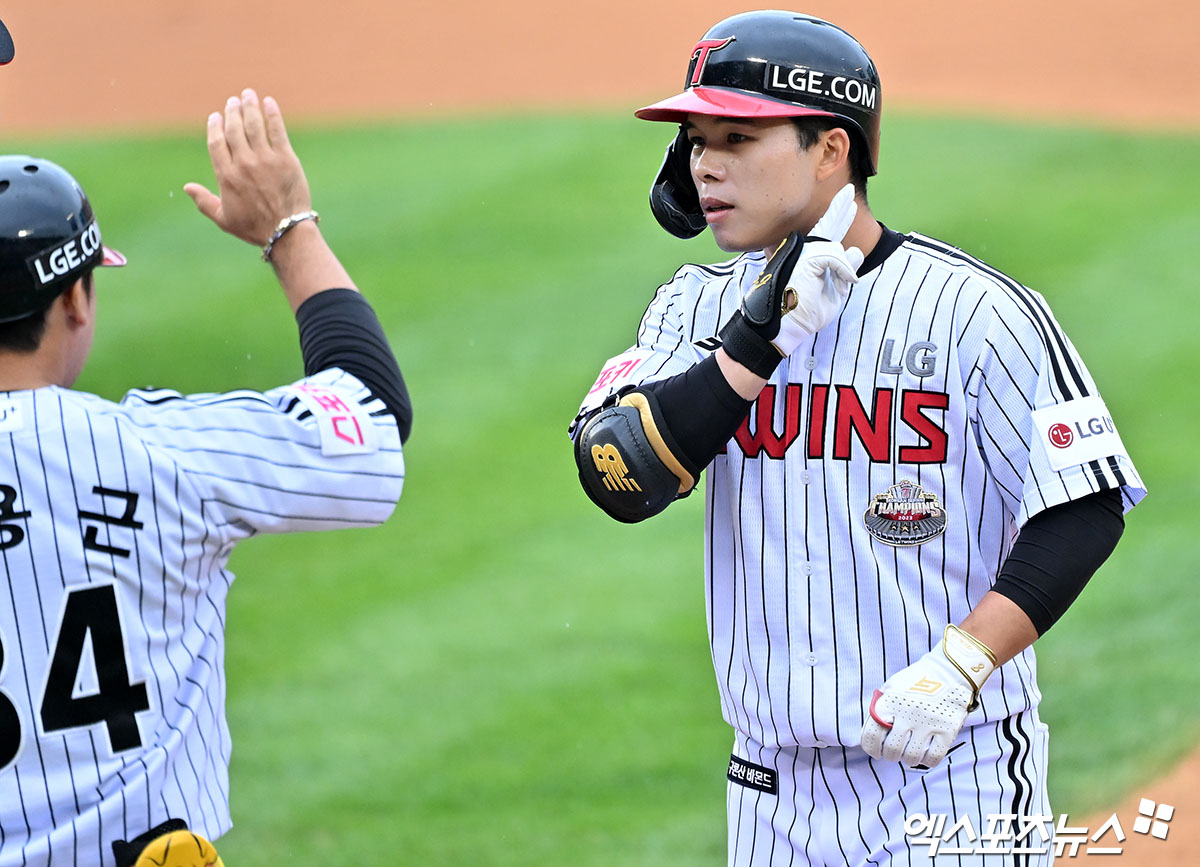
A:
(324, 519)
(325, 495)
(1052, 336)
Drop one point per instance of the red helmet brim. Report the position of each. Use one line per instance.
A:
(721, 102)
(113, 258)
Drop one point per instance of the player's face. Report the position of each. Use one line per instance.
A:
(754, 180)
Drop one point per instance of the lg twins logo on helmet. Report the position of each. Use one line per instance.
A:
(72, 254)
(791, 80)
(700, 57)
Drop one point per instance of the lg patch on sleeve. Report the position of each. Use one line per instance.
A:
(1077, 432)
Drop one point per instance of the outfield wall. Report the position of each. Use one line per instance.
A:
(121, 64)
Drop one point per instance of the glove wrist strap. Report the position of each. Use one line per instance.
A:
(749, 348)
(973, 659)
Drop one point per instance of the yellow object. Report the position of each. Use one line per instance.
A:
(179, 849)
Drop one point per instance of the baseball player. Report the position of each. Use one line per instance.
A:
(910, 472)
(117, 519)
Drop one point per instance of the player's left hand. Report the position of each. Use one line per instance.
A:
(917, 713)
(259, 176)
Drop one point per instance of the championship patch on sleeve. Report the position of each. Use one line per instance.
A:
(1077, 432)
(344, 425)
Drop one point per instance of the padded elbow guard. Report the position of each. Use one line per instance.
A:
(628, 462)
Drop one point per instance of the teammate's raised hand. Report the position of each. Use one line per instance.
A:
(259, 177)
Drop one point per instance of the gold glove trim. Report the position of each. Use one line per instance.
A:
(639, 402)
(963, 644)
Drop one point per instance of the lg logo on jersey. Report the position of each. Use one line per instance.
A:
(1061, 435)
(919, 359)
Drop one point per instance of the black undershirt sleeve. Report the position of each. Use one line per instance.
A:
(1056, 554)
(338, 328)
(701, 409)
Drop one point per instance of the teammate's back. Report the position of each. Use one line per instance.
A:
(117, 519)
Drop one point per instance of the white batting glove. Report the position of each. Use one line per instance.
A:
(822, 276)
(917, 713)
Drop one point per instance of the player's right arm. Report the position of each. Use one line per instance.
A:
(645, 445)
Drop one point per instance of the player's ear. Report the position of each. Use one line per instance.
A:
(835, 152)
(76, 302)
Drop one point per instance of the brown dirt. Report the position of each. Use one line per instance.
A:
(1180, 789)
(83, 64)
(130, 64)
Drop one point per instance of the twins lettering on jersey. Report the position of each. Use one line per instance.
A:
(892, 425)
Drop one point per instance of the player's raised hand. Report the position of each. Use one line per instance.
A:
(821, 276)
(259, 177)
(800, 291)
(917, 713)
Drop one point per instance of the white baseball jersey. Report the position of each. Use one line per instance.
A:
(879, 481)
(116, 523)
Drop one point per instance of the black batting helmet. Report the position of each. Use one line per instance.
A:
(780, 64)
(48, 235)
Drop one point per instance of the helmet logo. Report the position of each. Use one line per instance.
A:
(67, 257)
(791, 81)
(700, 56)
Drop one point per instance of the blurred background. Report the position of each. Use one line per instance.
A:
(501, 675)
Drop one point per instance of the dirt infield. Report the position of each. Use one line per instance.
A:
(83, 65)
(131, 64)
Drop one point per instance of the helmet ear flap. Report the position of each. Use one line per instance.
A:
(673, 197)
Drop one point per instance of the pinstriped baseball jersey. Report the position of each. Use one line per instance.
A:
(116, 523)
(879, 481)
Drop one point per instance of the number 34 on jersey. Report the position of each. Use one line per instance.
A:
(87, 681)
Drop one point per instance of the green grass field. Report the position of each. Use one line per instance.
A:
(502, 675)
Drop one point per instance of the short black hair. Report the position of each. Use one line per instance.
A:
(25, 335)
(810, 128)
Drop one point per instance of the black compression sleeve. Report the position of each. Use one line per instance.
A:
(338, 328)
(701, 410)
(1056, 554)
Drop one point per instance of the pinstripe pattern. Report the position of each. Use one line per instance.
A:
(207, 471)
(838, 806)
(807, 612)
